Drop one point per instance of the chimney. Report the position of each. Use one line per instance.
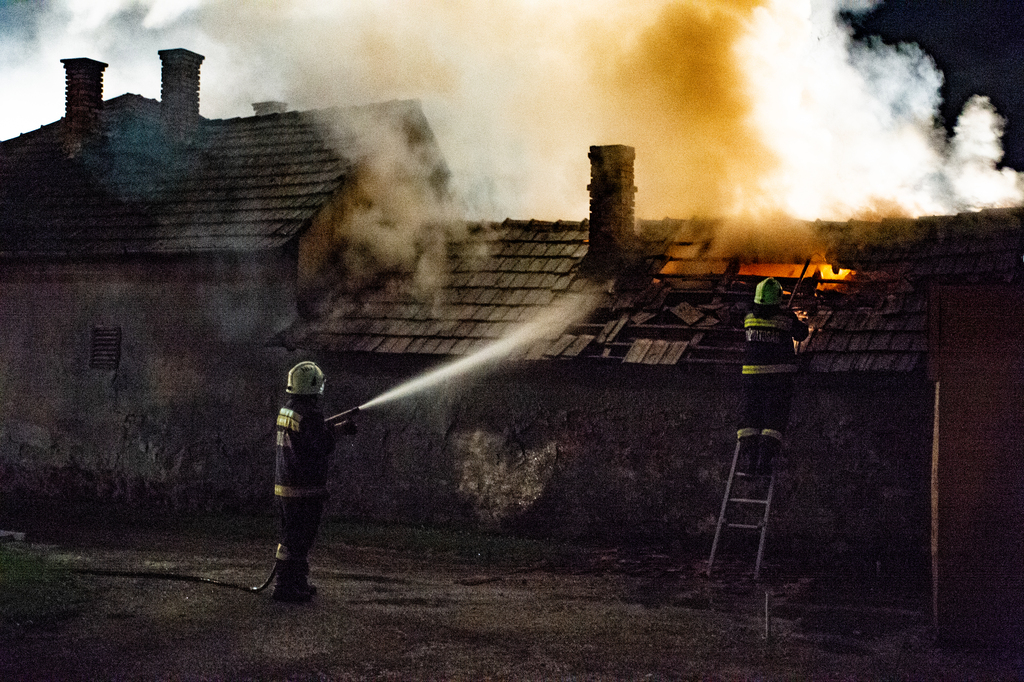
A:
(84, 102)
(613, 240)
(179, 93)
(267, 108)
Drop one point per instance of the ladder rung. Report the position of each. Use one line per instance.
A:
(747, 500)
(749, 526)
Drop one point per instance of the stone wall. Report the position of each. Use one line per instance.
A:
(182, 420)
(638, 453)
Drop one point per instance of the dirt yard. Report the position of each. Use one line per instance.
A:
(406, 615)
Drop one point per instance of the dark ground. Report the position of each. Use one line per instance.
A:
(410, 604)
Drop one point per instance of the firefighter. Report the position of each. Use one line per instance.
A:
(769, 366)
(304, 444)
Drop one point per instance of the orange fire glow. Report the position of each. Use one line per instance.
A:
(826, 271)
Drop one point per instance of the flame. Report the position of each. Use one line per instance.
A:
(826, 272)
(829, 272)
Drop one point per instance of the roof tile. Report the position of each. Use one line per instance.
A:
(907, 362)
(577, 346)
(880, 341)
(656, 352)
(445, 347)
(818, 341)
(674, 352)
(858, 342)
(839, 342)
(638, 350)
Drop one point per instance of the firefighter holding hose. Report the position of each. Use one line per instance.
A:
(305, 441)
(769, 367)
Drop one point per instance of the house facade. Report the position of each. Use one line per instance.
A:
(162, 271)
(147, 255)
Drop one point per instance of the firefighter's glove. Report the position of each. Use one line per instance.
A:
(347, 427)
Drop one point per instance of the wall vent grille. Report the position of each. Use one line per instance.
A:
(105, 350)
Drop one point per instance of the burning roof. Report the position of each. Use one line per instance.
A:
(865, 299)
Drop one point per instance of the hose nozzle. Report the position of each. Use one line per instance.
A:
(341, 416)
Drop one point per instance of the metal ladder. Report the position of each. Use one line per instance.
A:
(727, 499)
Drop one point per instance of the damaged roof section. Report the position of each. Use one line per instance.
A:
(865, 298)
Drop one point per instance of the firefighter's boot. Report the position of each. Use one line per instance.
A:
(303, 578)
(288, 586)
(747, 459)
(771, 445)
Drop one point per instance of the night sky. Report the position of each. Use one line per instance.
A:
(978, 45)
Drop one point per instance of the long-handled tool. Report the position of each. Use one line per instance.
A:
(798, 283)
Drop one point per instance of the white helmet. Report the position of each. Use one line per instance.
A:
(305, 378)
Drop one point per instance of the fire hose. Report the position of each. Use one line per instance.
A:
(159, 575)
(335, 420)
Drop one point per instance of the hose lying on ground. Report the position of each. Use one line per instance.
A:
(157, 575)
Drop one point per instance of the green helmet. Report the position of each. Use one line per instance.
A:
(305, 378)
(768, 292)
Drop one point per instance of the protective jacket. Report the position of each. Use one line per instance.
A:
(304, 446)
(769, 365)
(770, 334)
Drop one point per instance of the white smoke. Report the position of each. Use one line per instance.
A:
(973, 154)
(397, 215)
(517, 90)
(855, 125)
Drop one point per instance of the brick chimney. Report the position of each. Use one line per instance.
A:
(613, 240)
(267, 108)
(84, 102)
(179, 93)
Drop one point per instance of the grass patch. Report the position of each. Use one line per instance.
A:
(35, 592)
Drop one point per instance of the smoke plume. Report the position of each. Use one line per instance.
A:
(398, 215)
(736, 107)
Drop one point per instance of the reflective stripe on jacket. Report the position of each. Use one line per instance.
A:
(769, 346)
(303, 445)
(299, 491)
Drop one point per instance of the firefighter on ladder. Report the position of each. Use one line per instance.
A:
(768, 370)
(303, 447)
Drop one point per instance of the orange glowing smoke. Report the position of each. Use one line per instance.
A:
(678, 95)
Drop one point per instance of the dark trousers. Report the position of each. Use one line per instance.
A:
(767, 399)
(300, 521)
